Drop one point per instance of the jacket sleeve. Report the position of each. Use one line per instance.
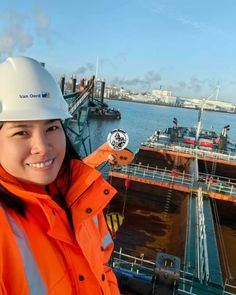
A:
(11, 266)
(108, 246)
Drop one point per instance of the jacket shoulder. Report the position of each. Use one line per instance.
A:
(4, 223)
(6, 231)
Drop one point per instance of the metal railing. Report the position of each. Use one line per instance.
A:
(156, 173)
(78, 101)
(227, 156)
(144, 269)
(137, 265)
(221, 185)
(223, 188)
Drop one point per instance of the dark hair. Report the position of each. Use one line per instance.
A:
(9, 200)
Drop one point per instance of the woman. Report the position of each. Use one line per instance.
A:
(53, 237)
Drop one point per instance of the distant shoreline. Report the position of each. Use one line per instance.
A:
(168, 105)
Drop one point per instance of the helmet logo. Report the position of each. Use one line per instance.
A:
(45, 94)
(35, 95)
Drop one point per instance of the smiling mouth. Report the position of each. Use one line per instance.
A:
(41, 165)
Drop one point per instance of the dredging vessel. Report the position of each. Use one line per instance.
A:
(178, 201)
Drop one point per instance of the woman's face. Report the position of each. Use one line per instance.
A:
(32, 151)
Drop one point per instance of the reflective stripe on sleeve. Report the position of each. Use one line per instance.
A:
(35, 282)
(95, 219)
(107, 239)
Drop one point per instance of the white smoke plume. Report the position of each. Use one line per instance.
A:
(42, 24)
(194, 87)
(19, 30)
(88, 69)
(14, 35)
(144, 83)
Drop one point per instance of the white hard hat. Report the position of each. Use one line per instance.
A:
(29, 92)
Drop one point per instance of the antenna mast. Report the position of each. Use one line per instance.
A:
(217, 91)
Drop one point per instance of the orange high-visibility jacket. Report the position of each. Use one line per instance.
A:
(40, 254)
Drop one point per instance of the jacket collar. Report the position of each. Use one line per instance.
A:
(19, 188)
(82, 177)
(41, 205)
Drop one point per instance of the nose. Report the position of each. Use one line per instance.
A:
(40, 144)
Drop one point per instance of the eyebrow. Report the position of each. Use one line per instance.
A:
(25, 125)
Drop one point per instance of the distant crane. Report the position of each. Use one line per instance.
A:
(217, 91)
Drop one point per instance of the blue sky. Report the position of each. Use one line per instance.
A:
(185, 46)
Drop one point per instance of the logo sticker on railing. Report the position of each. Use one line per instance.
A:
(118, 139)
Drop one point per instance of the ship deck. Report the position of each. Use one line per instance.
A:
(172, 198)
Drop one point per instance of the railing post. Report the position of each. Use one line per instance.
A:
(120, 253)
(142, 257)
(139, 165)
(220, 187)
(163, 174)
(231, 190)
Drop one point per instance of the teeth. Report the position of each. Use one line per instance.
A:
(41, 165)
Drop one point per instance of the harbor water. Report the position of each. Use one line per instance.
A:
(141, 120)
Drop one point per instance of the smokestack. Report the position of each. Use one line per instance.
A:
(102, 90)
(73, 83)
(62, 84)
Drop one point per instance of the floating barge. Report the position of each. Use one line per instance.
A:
(104, 113)
(179, 203)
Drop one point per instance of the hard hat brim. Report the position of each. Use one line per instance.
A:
(28, 115)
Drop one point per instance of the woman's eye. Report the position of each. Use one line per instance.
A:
(20, 133)
(53, 128)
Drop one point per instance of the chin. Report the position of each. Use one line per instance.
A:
(42, 181)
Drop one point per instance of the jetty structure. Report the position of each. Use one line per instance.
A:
(78, 103)
(178, 198)
(85, 101)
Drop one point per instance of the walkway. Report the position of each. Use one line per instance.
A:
(220, 188)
